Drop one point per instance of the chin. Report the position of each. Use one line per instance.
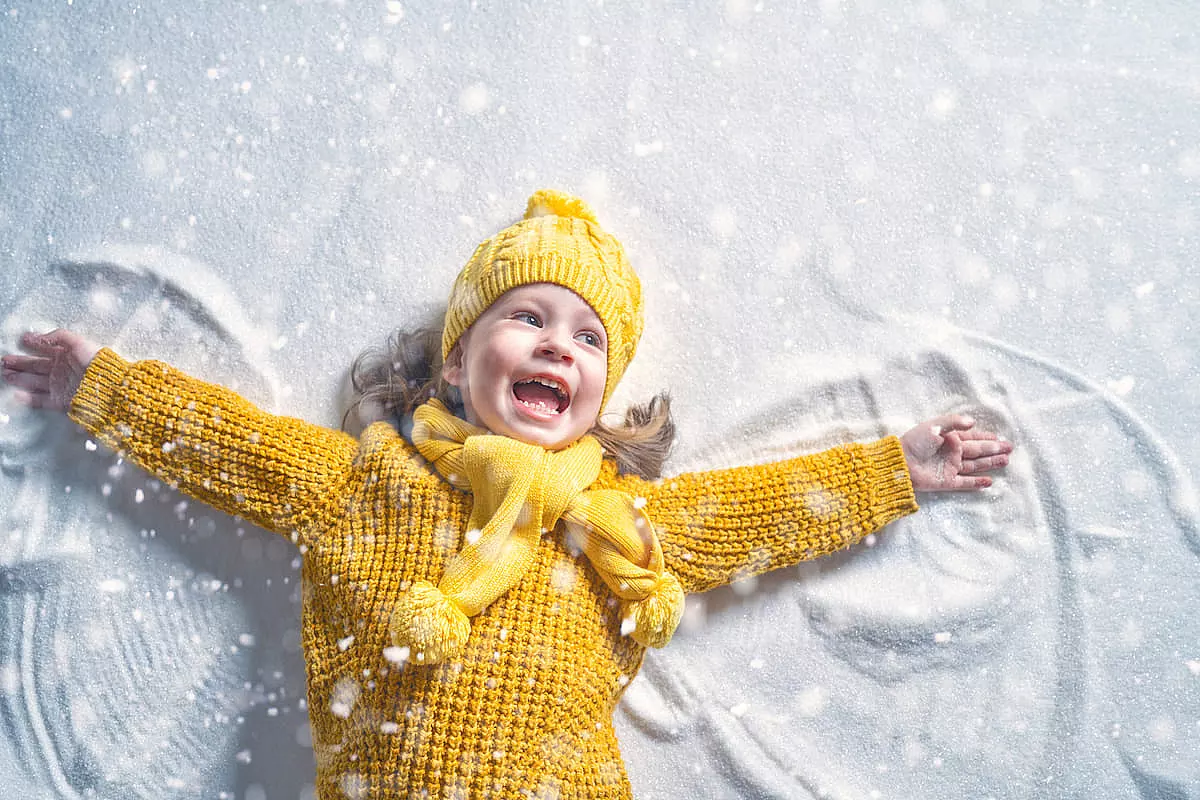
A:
(551, 439)
(545, 439)
(553, 433)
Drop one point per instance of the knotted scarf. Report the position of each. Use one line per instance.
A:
(521, 491)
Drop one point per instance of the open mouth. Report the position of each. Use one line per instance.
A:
(544, 395)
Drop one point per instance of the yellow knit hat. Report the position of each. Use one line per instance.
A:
(559, 241)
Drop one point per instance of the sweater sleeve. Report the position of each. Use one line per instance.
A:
(723, 525)
(210, 443)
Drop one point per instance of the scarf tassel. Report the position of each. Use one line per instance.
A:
(429, 624)
(435, 629)
(655, 617)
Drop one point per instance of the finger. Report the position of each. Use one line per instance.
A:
(955, 422)
(974, 435)
(964, 483)
(40, 400)
(974, 448)
(45, 343)
(27, 380)
(36, 364)
(984, 464)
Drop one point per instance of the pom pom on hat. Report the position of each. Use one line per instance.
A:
(551, 203)
(656, 617)
(429, 624)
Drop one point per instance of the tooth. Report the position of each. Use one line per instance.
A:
(549, 383)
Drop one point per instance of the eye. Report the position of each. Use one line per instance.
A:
(589, 338)
(527, 318)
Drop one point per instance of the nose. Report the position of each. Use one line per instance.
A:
(555, 344)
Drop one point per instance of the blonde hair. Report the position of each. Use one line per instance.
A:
(389, 382)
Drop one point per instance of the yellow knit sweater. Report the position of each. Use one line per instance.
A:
(527, 710)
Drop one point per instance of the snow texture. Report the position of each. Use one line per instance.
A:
(848, 216)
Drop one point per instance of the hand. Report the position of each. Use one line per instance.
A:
(944, 453)
(48, 378)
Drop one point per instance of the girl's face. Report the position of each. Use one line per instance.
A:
(533, 366)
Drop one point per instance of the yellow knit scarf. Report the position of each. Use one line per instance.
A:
(522, 491)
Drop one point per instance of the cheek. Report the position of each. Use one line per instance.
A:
(595, 382)
(489, 362)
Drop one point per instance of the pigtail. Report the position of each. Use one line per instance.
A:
(642, 441)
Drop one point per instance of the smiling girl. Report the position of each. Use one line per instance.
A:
(499, 569)
(532, 366)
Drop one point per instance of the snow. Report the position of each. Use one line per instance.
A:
(847, 216)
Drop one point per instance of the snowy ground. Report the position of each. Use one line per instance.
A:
(847, 216)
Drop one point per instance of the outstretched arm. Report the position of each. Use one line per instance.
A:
(203, 439)
(947, 454)
(720, 526)
(723, 525)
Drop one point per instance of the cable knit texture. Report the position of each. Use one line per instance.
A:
(525, 709)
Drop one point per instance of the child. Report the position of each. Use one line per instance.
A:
(476, 601)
